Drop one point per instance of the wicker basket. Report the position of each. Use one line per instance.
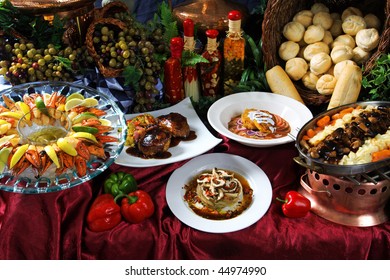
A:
(108, 10)
(106, 71)
(279, 12)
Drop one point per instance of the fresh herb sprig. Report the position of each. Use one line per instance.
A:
(377, 82)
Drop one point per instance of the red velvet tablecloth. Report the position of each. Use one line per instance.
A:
(53, 225)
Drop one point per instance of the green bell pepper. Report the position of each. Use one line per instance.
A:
(120, 183)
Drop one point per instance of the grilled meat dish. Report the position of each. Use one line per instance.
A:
(175, 123)
(342, 141)
(155, 140)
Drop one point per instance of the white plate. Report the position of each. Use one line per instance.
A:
(186, 149)
(257, 179)
(294, 112)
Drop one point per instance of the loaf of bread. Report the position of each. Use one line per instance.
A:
(280, 83)
(347, 87)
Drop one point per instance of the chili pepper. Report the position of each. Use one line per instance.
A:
(137, 206)
(295, 205)
(104, 213)
(119, 183)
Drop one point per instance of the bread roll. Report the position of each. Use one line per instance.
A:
(280, 83)
(326, 84)
(314, 33)
(320, 63)
(309, 80)
(288, 50)
(347, 87)
(305, 17)
(339, 67)
(319, 7)
(360, 56)
(367, 39)
(323, 19)
(336, 29)
(293, 31)
(351, 11)
(353, 24)
(328, 38)
(313, 49)
(340, 53)
(344, 40)
(372, 21)
(296, 67)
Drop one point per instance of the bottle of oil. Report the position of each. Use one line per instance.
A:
(173, 78)
(233, 53)
(211, 72)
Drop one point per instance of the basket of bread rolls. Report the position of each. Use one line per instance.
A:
(321, 49)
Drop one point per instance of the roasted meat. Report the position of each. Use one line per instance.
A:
(155, 140)
(175, 123)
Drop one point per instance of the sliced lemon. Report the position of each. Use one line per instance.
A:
(67, 147)
(24, 108)
(52, 155)
(5, 139)
(85, 135)
(46, 96)
(82, 128)
(105, 122)
(74, 95)
(4, 128)
(90, 102)
(73, 103)
(18, 155)
(83, 116)
(4, 153)
(14, 115)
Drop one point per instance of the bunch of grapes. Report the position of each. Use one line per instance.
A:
(137, 47)
(23, 62)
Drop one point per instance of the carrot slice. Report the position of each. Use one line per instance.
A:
(324, 121)
(380, 155)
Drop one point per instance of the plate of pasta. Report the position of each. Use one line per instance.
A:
(239, 195)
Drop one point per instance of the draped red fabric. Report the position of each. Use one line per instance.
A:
(53, 225)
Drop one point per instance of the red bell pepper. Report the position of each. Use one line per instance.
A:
(137, 206)
(295, 205)
(104, 213)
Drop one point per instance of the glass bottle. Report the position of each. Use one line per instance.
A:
(190, 72)
(211, 72)
(233, 53)
(173, 77)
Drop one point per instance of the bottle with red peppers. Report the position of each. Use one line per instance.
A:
(190, 72)
(211, 72)
(173, 77)
(233, 53)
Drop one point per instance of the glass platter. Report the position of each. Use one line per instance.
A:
(27, 182)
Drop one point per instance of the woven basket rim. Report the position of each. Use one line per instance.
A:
(106, 71)
(275, 18)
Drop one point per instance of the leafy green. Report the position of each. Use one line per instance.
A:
(132, 76)
(48, 33)
(377, 82)
(169, 23)
(190, 58)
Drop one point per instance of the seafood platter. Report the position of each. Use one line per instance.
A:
(56, 135)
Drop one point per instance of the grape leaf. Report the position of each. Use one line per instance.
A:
(132, 76)
(190, 58)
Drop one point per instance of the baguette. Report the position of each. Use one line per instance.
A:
(347, 88)
(280, 83)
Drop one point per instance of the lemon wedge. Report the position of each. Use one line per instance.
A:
(90, 102)
(18, 155)
(85, 135)
(105, 122)
(52, 155)
(4, 153)
(74, 95)
(15, 115)
(24, 108)
(74, 102)
(67, 147)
